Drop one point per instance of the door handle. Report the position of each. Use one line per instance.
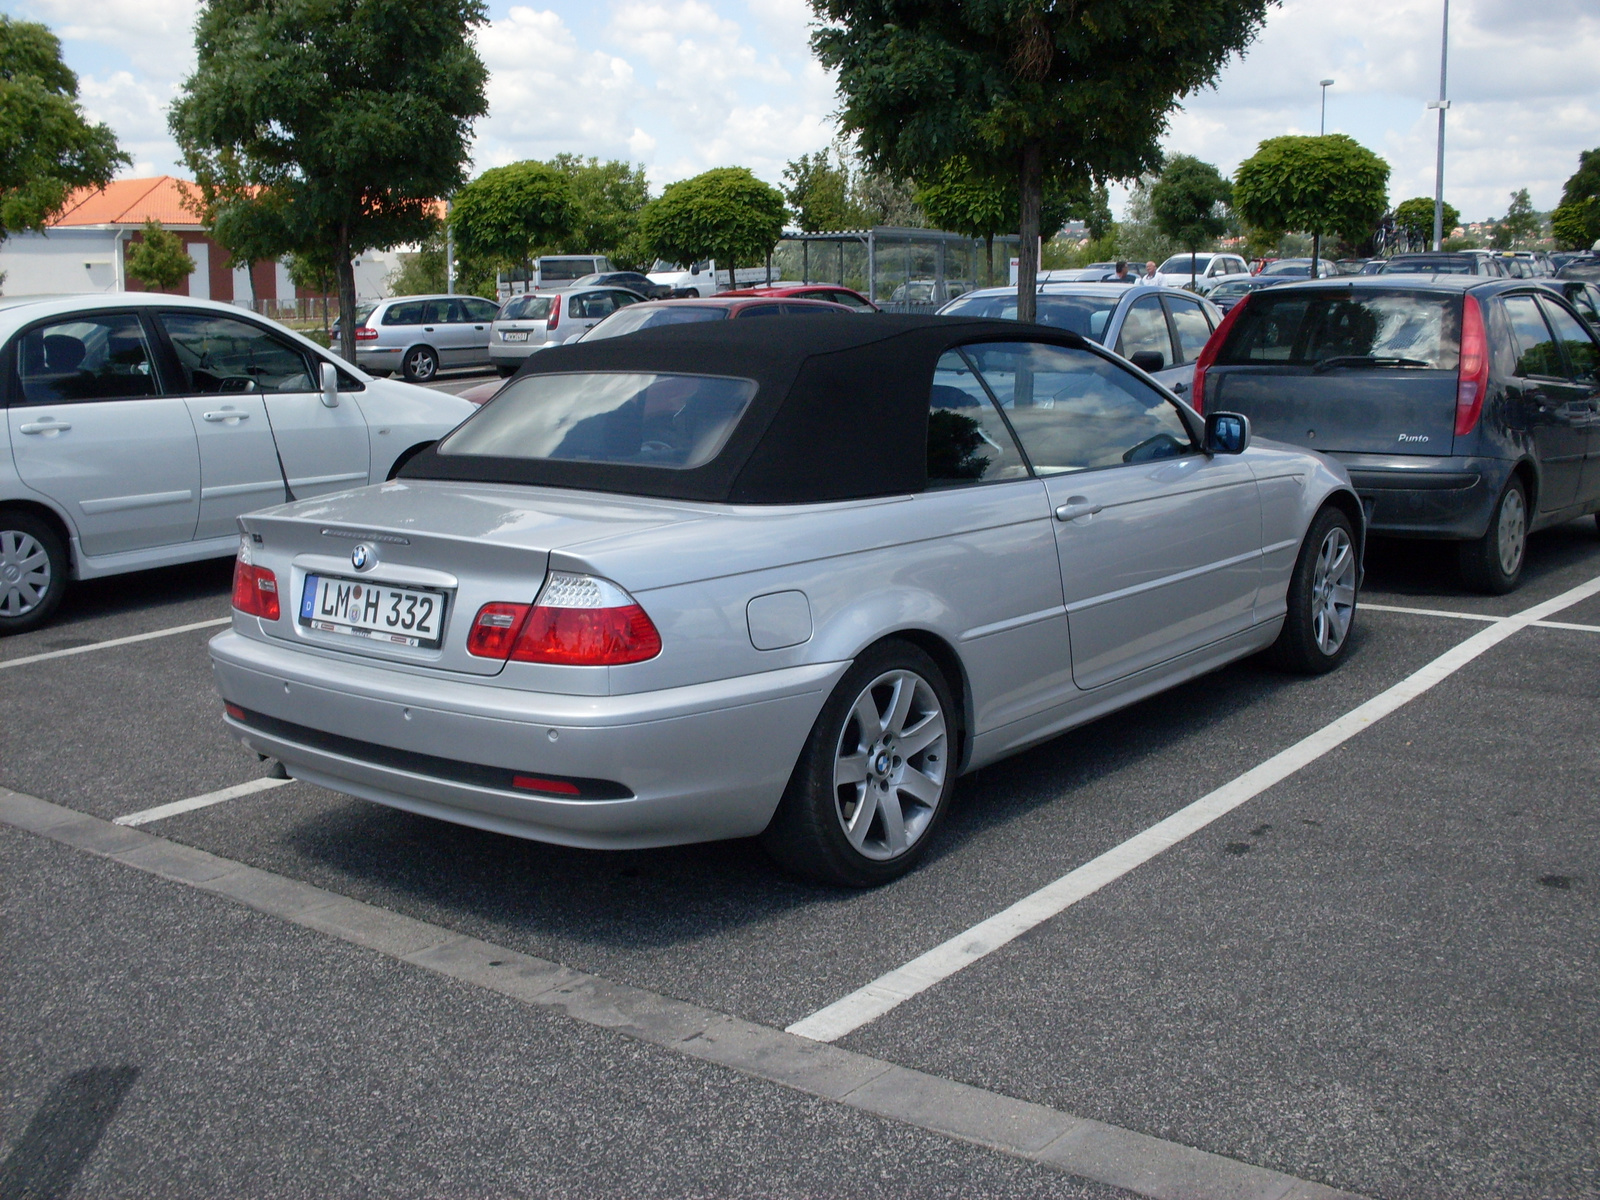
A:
(48, 425)
(427, 329)
(1077, 506)
(227, 414)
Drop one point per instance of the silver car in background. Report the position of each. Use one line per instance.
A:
(419, 336)
(787, 577)
(538, 320)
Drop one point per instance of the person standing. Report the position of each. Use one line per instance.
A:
(1122, 275)
(1149, 275)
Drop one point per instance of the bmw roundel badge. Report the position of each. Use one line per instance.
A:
(363, 556)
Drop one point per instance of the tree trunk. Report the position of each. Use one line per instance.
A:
(1031, 185)
(1191, 268)
(1316, 252)
(347, 294)
(988, 245)
(732, 276)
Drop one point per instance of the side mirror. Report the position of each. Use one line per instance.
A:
(1148, 360)
(330, 385)
(694, 268)
(1227, 433)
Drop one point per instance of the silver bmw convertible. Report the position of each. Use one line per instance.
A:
(788, 577)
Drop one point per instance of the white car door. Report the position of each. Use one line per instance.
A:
(92, 430)
(224, 357)
(1159, 543)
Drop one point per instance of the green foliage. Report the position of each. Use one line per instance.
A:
(1026, 91)
(1188, 202)
(885, 198)
(727, 214)
(1576, 224)
(962, 201)
(1414, 218)
(1097, 214)
(1464, 242)
(350, 116)
(46, 147)
(1329, 184)
(607, 199)
(1520, 225)
(509, 214)
(818, 191)
(1138, 239)
(1062, 256)
(159, 261)
(421, 271)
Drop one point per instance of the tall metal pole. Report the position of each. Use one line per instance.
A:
(449, 254)
(1325, 84)
(1443, 106)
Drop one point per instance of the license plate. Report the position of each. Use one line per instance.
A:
(398, 616)
(515, 337)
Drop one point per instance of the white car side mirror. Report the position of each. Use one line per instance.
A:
(330, 385)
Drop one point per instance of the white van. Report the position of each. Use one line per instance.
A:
(551, 273)
(700, 279)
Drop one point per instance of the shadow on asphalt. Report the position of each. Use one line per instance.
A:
(138, 590)
(1407, 567)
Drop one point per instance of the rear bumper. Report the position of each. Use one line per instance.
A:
(661, 768)
(509, 352)
(1448, 498)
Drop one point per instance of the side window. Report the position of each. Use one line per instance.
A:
(1145, 328)
(761, 310)
(623, 299)
(407, 313)
(1193, 328)
(441, 312)
(1537, 352)
(968, 441)
(1074, 411)
(479, 310)
(1583, 301)
(224, 355)
(1583, 357)
(85, 358)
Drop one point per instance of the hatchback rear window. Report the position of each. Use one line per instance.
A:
(1304, 328)
(1084, 315)
(526, 308)
(631, 320)
(626, 418)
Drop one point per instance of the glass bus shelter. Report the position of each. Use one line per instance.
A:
(902, 270)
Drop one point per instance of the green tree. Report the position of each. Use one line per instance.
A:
(960, 200)
(251, 226)
(1315, 185)
(422, 270)
(727, 214)
(315, 273)
(818, 192)
(508, 215)
(350, 116)
(1026, 89)
(1576, 223)
(607, 198)
(1520, 225)
(158, 260)
(1188, 203)
(47, 148)
(1414, 218)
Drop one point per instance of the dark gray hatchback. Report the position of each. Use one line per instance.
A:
(1464, 408)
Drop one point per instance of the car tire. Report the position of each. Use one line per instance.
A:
(33, 571)
(507, 370)
(893, 697)
(1322, 598)
(1493, 563)
(420, 364)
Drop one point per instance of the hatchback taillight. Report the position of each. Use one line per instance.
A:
(554, 318)
(1473, 378)
(365, 333)
(1209, 352)
(577, 621)
(255, 589)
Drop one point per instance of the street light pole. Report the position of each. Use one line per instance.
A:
(1443, 106)
(1323, 127)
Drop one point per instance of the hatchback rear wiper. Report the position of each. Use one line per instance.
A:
(1365, 360)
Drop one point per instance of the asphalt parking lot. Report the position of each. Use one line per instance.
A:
(1367, 960)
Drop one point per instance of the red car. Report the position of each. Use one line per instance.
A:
(853, 300)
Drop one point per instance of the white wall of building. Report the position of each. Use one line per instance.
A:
(61, 262)
(200, 277)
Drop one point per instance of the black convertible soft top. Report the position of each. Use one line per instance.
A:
(840, 411)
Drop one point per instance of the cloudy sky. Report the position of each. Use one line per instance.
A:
(683, 85)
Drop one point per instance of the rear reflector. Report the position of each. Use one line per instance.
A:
(1473, 379)
(554, 787)
(255, 589)
(233, 710)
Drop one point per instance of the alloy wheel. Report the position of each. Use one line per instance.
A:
(421, 365)
(1513, 530)
(24, 573)
(890, 765)
(1333, 591)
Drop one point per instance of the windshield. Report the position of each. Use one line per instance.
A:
(1233, 287)
(1178, 264)
(625, 418)
(1084, 315)
(1428, 266)
(631, 320)
(1303, 328)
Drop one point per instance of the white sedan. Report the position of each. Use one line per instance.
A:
(140, 427)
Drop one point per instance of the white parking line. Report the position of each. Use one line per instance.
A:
(193, 802)
(106, 645)
(870, 1002)
(1466, 616)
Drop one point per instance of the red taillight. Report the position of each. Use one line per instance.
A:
(1209, 352)
(365, 333)
(1473, 378)
(554, 318)
(578, 621)
(494, 630)
(255, 589)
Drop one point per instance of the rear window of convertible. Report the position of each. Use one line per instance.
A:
(1304, 327)
(643, 420)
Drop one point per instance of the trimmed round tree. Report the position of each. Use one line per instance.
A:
(1414, 217)
(726, 214)
(507, 214)
(1188, 204)
(1315, 185)
(158, 260)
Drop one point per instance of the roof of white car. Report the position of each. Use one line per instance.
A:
(18, 310)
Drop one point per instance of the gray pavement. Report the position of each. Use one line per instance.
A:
(1380, 974)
